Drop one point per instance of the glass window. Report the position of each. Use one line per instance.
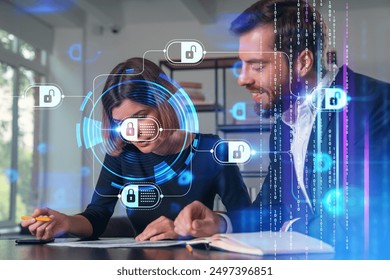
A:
(8, 175)
(27, 51)
(20, 150)
(26, 190)
(43, 55)
(8, 41)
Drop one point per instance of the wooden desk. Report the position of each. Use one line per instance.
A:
(10, 251)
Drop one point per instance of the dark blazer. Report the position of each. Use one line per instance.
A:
(346, 175)
(205, 178)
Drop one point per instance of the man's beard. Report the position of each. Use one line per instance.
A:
(260, 111)
(281, 105)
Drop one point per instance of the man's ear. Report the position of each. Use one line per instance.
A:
(305, 63)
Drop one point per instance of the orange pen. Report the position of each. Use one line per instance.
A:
(189, 248)
(41, 218)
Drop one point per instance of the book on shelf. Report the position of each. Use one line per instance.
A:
(196, 96)
(192, 85)
(194, 91)
(254, 243)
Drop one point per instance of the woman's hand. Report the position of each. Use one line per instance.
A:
(161, 228)
(58, 225)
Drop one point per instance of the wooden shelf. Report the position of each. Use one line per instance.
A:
(234, 128)
(207, 63)
(253, 174)
(208, 107)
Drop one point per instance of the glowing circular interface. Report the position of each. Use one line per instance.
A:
(136, 132)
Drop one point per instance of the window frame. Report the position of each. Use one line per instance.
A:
(16, 61)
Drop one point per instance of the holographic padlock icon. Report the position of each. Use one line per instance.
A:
(190, 53)
(237, 153)
(130, 196)
(130, 129)
(334, 100)
(48, 98)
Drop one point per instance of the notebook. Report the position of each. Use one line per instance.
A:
(265, 243)
(254, 243)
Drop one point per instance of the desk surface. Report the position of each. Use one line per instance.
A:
(10, 251)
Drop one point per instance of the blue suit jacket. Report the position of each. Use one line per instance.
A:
(346, 175)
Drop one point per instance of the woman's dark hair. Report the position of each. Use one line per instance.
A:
(297, 24)
(138, 80)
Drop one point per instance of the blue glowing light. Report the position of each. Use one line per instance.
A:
(236, 68)
(12, 175)
(92, 132)
(42, 148)
(334, 202)
(85, 171)
(163, 172)
(184, 109)
(84, 103)
(185, 178)
(45, 6)
(78, 135)
(75, 53)
(238, 111)
(308, 97)
(322, 162)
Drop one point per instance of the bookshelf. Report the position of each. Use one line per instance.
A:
(219, 67)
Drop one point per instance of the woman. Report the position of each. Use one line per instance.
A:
(145, 96)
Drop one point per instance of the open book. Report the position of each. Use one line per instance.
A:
(254, 243)
(265, 243)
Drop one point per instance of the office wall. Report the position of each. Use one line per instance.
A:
(368, 37)
(63, 189)
(22, 24)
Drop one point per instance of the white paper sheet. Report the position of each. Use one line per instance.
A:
(115, 243)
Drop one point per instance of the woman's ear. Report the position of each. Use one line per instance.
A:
(305, 63)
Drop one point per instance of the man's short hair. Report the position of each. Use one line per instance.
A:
(297, 24)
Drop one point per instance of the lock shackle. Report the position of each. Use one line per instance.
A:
(51, 92)
(128, 191)
(193, 46)
(241, 146)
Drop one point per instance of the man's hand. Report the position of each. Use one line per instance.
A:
(198, 221)
(161, 228)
